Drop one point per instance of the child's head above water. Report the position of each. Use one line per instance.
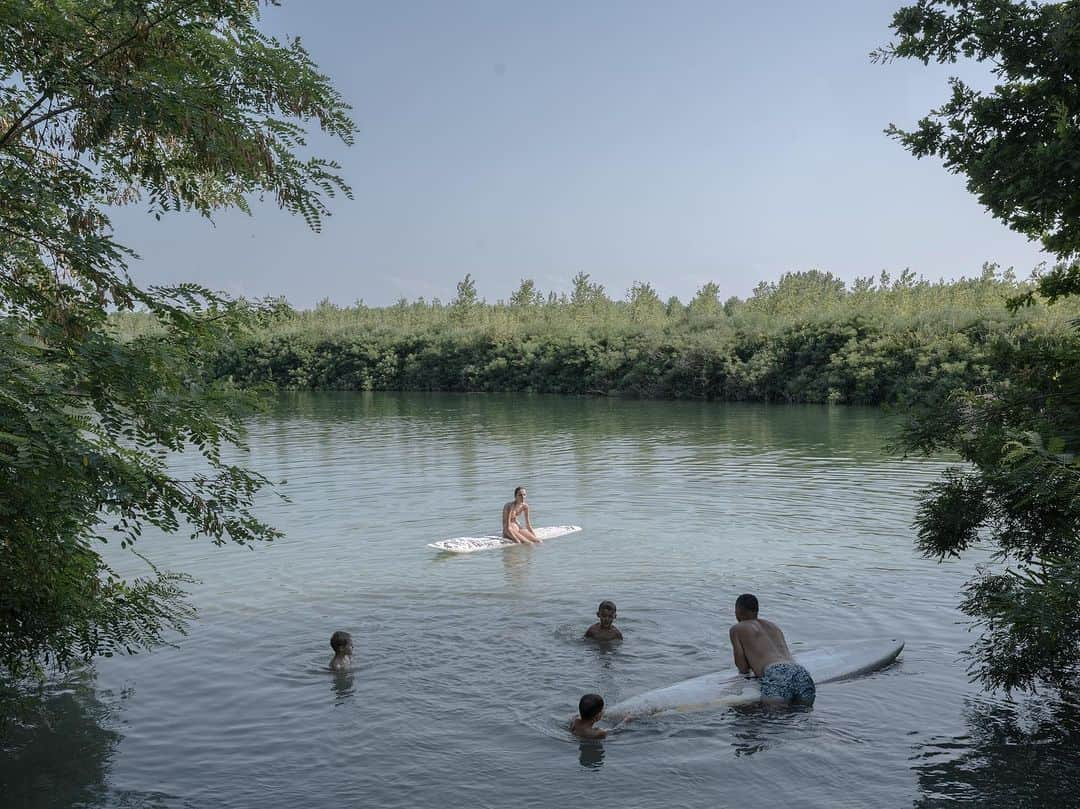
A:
(606, 612)
(590, 707)
(341, 643)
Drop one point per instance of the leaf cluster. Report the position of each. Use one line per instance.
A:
(1019, 147)
(177, 105)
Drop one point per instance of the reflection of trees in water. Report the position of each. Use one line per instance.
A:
(1015, 755)
(529, 421)
(56, 746)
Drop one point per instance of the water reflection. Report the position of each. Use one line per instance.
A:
(1014, 754)
(343, 686)
(605, 651)
(56, 749)
(748, 732)
(516, 563)
(591, 755)
(814, 428)
(756, 728)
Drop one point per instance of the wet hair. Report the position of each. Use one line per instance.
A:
(607, 605)
(339, 640)
(518, 489)
(747, 602)
(590, 706)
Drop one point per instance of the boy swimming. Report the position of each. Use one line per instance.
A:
(759, 645)
(341, 643)
(590, 709)
(510, 527)
(604, 629)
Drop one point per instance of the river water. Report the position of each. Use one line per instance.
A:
(468, 667)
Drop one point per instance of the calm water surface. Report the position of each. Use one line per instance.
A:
(470, 666)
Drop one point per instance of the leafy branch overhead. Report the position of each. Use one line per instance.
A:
(1019, 147)
(1018, 144)
(173, 105)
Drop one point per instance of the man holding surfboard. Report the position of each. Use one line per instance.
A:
(510, 527)
(759, 645)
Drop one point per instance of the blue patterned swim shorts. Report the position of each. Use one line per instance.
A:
(788, 681)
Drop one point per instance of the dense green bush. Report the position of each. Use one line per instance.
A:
(807, 338)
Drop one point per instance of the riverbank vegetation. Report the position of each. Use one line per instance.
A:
(805, 338)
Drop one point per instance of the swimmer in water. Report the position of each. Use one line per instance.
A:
(510, 527)
(590, 709)
(759, 646)
(605, 628)
(341, 643)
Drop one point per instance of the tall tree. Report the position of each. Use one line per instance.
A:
(466, 300)
(526, 295)
(1018, 146)
(174, 105)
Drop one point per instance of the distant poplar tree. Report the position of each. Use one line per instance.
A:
(527, 294)
(466, 299)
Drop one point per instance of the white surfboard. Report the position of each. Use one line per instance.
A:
(826, 664)
(492, 541)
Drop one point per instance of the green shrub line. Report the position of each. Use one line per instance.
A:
(807, 338)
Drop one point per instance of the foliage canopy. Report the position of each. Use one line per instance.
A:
(1019, 147)
(175, 105)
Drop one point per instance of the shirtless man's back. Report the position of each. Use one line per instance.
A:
(759, 645)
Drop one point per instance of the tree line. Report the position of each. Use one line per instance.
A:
(808, 337)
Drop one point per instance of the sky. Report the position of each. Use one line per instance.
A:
(673, 143)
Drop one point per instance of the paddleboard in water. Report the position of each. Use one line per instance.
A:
(826, 664)
(492, 541)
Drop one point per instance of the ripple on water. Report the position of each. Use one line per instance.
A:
(469, 668)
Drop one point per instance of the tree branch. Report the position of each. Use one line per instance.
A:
(123, 43)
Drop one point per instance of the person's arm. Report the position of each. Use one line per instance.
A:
(589, 632)
(618, 634)
(506, 519)
(740, 655)
(528, 523)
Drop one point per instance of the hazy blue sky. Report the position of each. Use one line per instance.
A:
(675, 143)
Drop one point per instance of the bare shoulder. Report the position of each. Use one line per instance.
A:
(584, 731)
(773, 628)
